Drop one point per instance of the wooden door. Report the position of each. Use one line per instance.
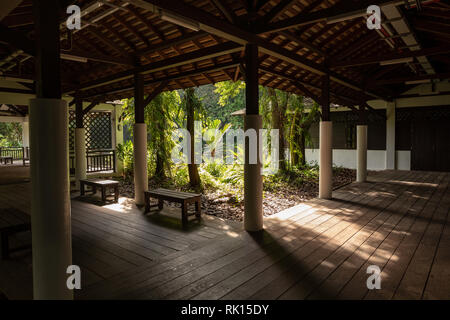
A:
(430, 146)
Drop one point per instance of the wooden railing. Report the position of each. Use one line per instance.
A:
(96, 161)
(15, 152)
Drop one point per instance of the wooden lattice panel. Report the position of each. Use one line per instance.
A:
(98, 130)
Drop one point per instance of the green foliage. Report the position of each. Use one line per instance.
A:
(294, 176)
(228, 90)
(301, 121)
(162, 116)
(125, 154)
(10, 134)
(229, 97)
(213, 106)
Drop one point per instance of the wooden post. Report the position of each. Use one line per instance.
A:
(140, 142)
(326, 97)
(390, 135)
(139, 116)
(361, 144)
(80, 144)
(50, 199)
(326, 141)
(253, 215)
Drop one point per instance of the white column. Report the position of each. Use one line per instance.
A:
(326, 160)
(50, 200)
(361, 148)
(26, 132)
(390, 135)
(253, 215)
(140, 163)
(80, 155)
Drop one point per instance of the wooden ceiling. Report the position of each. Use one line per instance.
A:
(297, 46)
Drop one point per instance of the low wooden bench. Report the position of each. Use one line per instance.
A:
(13, 221)
(184, 198)
(6, 160)
(104, 185)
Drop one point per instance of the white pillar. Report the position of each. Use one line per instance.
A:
(253, 215)
(361, 148)
(140, 163)
(50, 200)
(80, 155)
(390, 135)
(25, 132)
(326, 160)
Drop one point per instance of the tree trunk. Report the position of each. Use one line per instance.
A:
(277, 123)
(194, 177)
(161, 154)
(301, 144)
(159, 171)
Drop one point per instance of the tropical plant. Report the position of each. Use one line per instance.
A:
(160, 116)
(299, 135)
(125, 154)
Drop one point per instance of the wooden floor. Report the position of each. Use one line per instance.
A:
(398, 221)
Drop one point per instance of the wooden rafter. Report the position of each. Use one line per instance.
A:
(322, 15)
(202, 54)
(277, 10)
(226, 11)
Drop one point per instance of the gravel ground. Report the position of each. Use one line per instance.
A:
(226, 205)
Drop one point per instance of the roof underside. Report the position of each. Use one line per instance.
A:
(297, 46)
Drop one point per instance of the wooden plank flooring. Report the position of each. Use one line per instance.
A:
(398, 220)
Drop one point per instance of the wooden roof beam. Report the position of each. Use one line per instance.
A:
(12, 107)
(20, 41)
(303, 43)
(385, 58)
(198, 55)
(277, 10)
(217, 67)
(341, 8)
(409, 78)
(211, 24)
(155, 92)
(227, 12)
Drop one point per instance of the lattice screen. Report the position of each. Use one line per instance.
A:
(422, 114)
(98, 130)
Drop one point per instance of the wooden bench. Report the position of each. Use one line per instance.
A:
(103, 185)
(184, 198)
(13, 221)
(6, 159)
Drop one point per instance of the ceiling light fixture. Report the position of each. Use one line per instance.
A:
(70, 57)
(396, 61)
(418, 81)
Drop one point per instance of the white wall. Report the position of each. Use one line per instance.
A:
(376, 159)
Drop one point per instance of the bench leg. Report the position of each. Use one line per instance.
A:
(160, 204)
(82, 188)
(198, 209)
(103, 194)
(116, 194)
(184, 214)
(147, 203)
(5, 246)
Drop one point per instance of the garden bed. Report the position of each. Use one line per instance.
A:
(280, 192)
